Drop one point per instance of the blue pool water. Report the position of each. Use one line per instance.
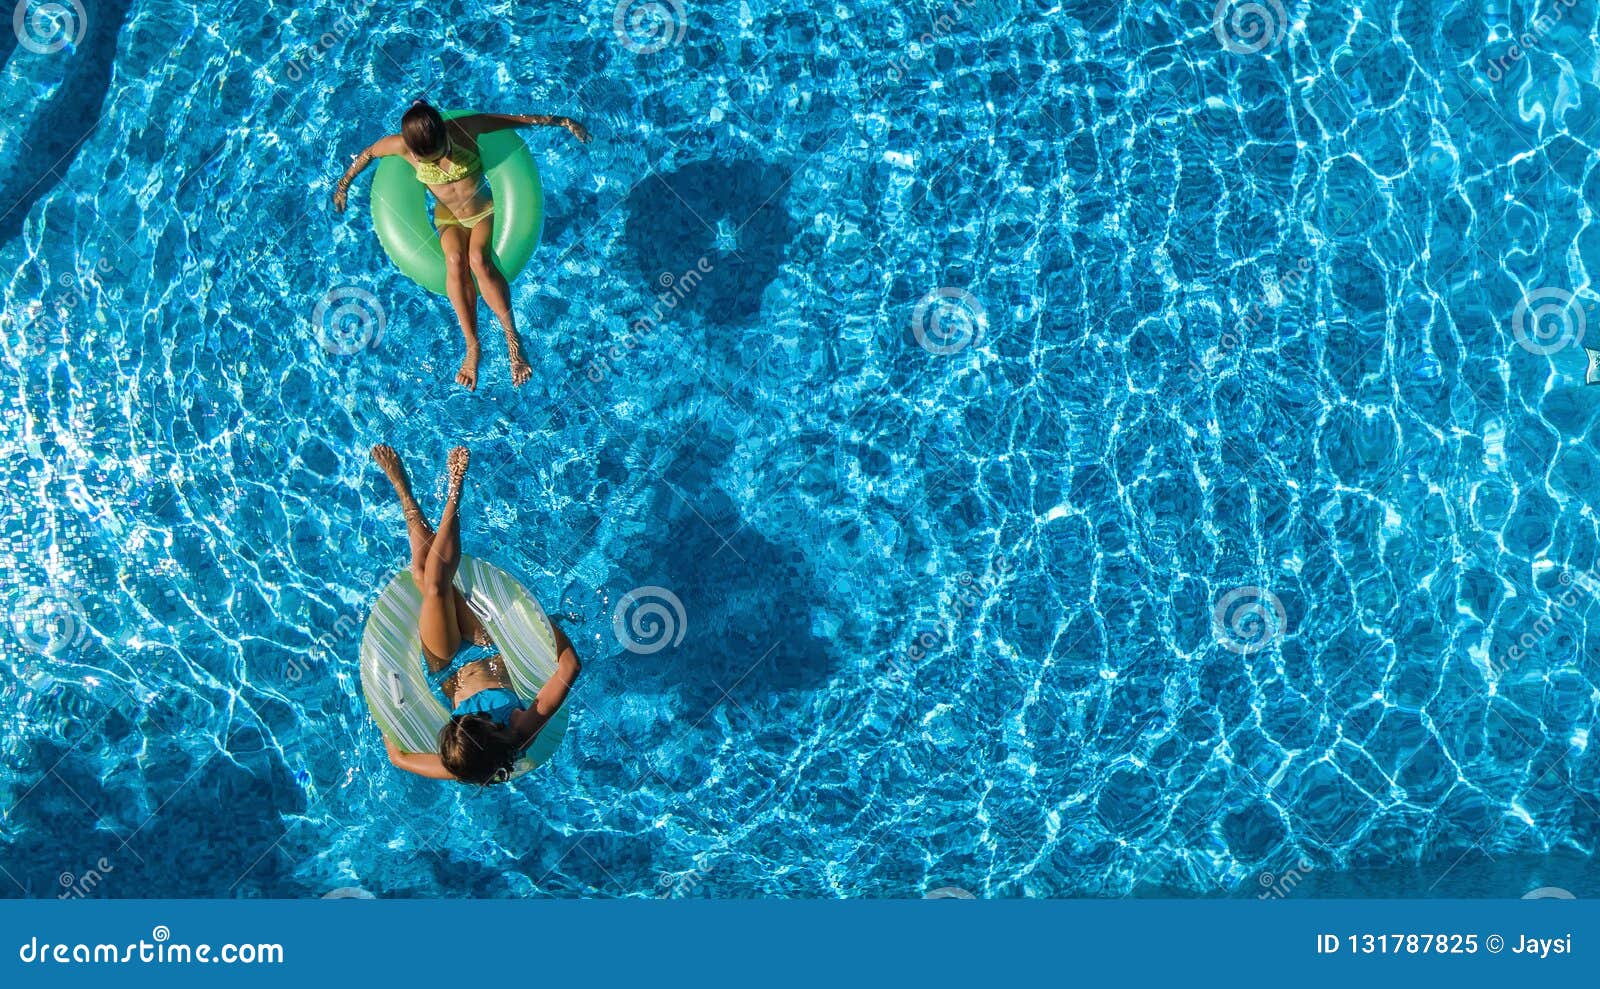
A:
(1096, 450)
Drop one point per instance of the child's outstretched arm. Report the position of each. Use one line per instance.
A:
(483, 123)
(422, 763)
(392, 145)
(554, 692)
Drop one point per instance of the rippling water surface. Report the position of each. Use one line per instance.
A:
(1096, 449)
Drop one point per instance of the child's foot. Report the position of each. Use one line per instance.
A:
(457, 465)
(389, 461)
(520, 371)
(467, 377)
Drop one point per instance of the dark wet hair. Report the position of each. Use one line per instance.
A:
(422, 128)
(477, 749)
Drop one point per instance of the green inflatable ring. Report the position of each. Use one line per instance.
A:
(392, 679)
(400, 210)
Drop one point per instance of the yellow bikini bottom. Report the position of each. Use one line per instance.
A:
(442, 217)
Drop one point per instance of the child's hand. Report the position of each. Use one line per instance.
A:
(578, 130)
(339, 199)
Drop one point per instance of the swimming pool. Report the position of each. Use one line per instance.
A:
(1067, 450)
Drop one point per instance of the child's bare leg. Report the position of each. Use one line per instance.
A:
(463, 298)
(418, 531)
(420, 534)
(497, 293)
(438, 625)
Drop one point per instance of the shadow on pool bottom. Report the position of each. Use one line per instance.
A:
(722, 220)
(199, 826)
(749, 599)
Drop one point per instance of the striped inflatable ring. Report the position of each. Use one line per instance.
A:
(397, 692)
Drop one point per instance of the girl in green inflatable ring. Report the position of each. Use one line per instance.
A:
(445, 155)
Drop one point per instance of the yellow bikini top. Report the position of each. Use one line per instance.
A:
(465, 162)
